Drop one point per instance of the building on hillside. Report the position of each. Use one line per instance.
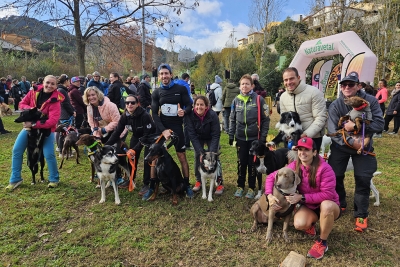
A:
(326, 19)
(17, 42)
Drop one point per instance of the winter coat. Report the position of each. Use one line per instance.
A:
(338, 109)
(309, 103)
(218, 96)
(325, 184)
(203, 128)
(114, 93)
(144, 94)
(258, 89)
(16, 92)
(394, 105)
(67, 110)
(52, 108)
(229, 93)
(184, 83)
(76, 99)
(244, 118)
(98, 84)
(139, 123)
(109, 114)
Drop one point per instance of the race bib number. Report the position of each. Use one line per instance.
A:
(169, 110)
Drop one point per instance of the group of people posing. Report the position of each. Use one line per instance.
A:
(322, 194)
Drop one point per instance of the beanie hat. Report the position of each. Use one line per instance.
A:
(75, 79)
(165, 66)
(218, 79)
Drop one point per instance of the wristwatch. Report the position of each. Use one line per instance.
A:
(33, 124)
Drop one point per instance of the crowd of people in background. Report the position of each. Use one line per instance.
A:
(112, 107)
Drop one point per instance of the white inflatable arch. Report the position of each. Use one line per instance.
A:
(358, 57)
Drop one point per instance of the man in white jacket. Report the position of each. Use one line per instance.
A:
(308, 102)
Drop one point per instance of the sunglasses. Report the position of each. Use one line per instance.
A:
(130, 102)
(347, 84)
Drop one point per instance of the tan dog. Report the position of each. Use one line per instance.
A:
(286, 181)
(5, 110)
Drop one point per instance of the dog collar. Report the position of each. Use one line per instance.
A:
(361, 107)
(280, 191)
(94, 144)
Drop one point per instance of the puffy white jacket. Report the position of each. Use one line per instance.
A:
(310, 104)
(218, 95)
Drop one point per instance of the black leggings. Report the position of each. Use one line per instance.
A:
(245, 164)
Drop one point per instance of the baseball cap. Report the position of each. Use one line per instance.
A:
(305, 142)
(75, 79)
(352, 77)
(165, 66)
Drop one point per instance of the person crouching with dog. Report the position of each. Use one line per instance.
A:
(139, 122)
(245, 113)
(204, 129)
(48, 101)
(317, 198)
(103, 117)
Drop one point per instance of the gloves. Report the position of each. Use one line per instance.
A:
(231, 141)
(103, 130)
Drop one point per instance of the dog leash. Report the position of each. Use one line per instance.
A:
(132, 161)
(363, 151)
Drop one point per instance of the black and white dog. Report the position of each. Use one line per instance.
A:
(106, 163)
(36, 139)
(289, 129)
(167, 170)
(267, 161)
(209, 169)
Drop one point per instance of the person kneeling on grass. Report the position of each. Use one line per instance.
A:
(317, 198)
(48, 101)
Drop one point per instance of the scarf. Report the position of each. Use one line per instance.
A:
(172, 83)
(201, 117)
(394, 92)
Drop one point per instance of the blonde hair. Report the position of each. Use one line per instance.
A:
(99, 94)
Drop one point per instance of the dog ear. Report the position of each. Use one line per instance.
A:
(297, 179)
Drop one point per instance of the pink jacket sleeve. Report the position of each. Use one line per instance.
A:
(384, 94)
(269, 181)
(26, 102)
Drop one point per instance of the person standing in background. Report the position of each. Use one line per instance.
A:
(24, 85)
(229, 93)
(381, 96)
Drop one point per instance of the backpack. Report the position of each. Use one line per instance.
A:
(211, 96)
(124, 95)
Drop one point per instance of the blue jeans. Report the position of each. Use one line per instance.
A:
(19, 148)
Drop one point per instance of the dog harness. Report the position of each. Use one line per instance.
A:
(281, 215)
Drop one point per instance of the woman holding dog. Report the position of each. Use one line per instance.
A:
(203, 129)
(48, 100)
(244, 126)
(139, 122)
(317, 198)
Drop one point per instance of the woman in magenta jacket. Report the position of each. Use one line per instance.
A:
(317, 197)
(48, 100)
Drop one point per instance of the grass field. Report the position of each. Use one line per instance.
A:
(66, 226)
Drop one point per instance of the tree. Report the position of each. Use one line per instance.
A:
(262, 13)
(86, 19)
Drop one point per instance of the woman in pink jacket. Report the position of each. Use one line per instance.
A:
(48, 101)
(317, 197)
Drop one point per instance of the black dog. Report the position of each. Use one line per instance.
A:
(290, 129)
(267, 161)
(167, 170)
(35, 141)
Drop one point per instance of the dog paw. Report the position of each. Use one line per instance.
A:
(102, 201)
(210, 199)
(376, 204)
(268, 239)
(203, 196)
(117, 202)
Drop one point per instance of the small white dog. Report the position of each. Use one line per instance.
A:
(208, 168)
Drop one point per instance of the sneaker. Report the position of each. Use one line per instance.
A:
(239, 192)
(318, 250)
(144, 190)
(12, 186)
(219, 190)
(343, 209)
(377, 135)
(196, 186)
(392, 133)
(5, 132)
(120, 180)
(250, 194)
(52, 185)
(189, 148)
(189, 192)
(361, 224)
(150, 195)
(124, 184)
(311, 232)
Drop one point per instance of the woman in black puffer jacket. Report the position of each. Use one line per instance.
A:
(393, 110)
(204, 129)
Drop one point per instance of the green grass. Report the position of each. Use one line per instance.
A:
(66, 226)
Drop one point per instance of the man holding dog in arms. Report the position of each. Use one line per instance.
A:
(307, 101)
(365, 164)
(168, 116)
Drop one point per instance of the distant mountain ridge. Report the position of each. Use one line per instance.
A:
(35, 29)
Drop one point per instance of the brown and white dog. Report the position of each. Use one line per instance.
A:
(5, 110)
(286, 181)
